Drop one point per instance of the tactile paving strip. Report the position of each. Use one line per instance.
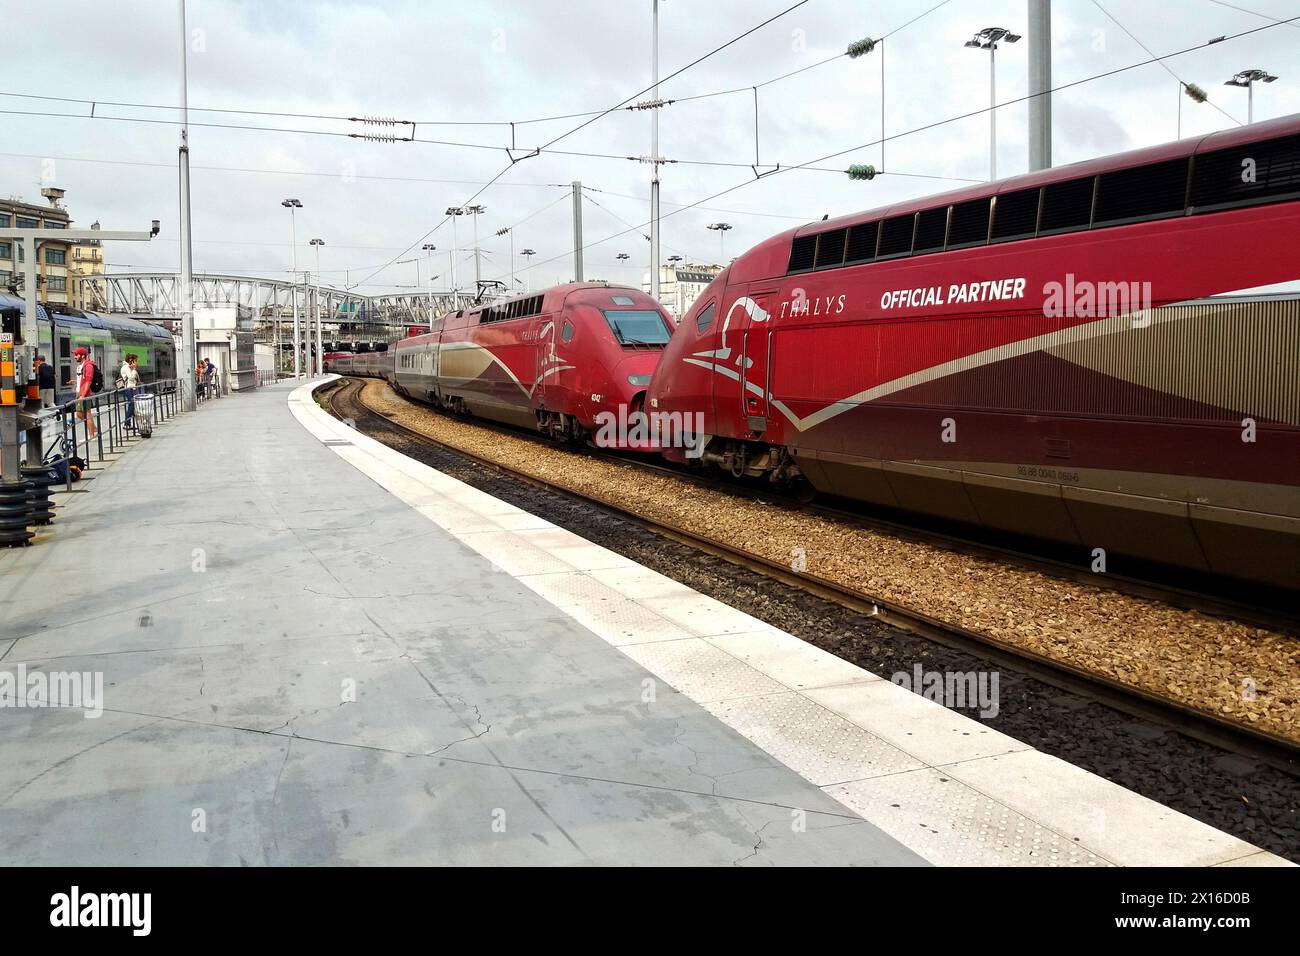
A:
(515, 557)
(811, 740)
(701, 671)
(625, 622)
(951, 824)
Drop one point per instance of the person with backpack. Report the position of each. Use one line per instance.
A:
(89, 381)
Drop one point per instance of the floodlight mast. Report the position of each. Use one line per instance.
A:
(1248, 79)
(291, 205)
(988, 39)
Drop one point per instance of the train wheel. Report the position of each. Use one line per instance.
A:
(803, 491)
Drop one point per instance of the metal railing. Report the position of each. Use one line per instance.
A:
(114, 412)
(207, 388)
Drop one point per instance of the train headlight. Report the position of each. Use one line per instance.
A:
(640, 380)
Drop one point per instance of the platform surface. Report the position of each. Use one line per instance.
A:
(300, 668)
(317, 650)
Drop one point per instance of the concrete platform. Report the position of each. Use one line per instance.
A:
(298, 667)
(316, 650)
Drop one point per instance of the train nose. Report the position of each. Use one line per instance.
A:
(626, 406)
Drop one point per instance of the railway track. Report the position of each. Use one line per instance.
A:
(1271, 617)
(345, 401)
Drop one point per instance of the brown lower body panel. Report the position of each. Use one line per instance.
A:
(1258, 547)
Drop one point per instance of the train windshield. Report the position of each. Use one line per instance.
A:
(638, 327)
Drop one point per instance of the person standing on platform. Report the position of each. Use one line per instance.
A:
(85, 388)
(130, 379)
(45, 381)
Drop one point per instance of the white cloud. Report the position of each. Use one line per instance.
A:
(498, 61)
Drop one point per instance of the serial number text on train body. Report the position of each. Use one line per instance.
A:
(990, 290)
(1050, 474)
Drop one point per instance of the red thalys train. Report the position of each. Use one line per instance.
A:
(553, 360)
(1031, 355)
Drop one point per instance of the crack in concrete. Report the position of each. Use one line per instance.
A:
(85, 750)
(275, 793)
(478, 719)
(758, 845)
(695, 754)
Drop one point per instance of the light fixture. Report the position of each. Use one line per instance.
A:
(1247, 77)
(990, 37)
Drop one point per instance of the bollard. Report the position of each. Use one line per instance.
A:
(41, 478)
(15, 514)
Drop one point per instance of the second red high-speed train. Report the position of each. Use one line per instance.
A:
(554, 360)
(1097, 354)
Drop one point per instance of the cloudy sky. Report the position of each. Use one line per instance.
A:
(463, 72)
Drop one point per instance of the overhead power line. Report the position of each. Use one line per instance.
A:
(591, 114)
(930, 126)
(277, 172)
(679, 72)
(1254, 13)
(588, 122)
(1163, 65)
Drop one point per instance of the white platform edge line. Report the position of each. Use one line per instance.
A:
(324, 426)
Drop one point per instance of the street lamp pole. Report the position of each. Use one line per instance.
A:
(429, 248)
(988, 39)
(291, 205)
(678, 310)
(189, 397)
(454, 211)
(654, 161)
(721, 229)
(527, 280)
(478, 271)
(320, 335)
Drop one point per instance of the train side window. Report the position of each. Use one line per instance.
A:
(1067, 206)
(896, 236)
(969, 225)
(566, 334)
(830, 249)
(861, 246)
(931, 230)
(1146, 192)
(704, 320)
(803, 253)
(1015, 215)
(1218, 181)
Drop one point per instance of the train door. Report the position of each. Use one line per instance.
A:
(553, 341)
(65, 360)
(750, 316)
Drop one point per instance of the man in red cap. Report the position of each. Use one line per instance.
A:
(85, 376)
